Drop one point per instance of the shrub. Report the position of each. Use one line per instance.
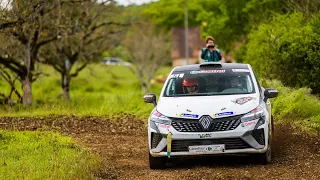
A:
(287, 49)
(295, 106)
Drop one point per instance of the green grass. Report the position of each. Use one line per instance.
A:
(295, 106)
(43, 155)
(98, 90)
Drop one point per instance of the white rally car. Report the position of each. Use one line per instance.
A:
(210, 108)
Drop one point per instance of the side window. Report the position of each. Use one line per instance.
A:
(249, 84)
(171, 87)
(260, 90)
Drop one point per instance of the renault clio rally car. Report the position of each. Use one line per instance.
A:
(210, 108)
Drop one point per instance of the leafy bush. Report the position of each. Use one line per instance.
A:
(295, 106)
(287, 49)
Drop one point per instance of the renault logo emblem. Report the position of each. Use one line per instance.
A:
(205, 121)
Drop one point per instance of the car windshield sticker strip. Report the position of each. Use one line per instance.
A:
(208, 71)
(240, 70)
(177, 75)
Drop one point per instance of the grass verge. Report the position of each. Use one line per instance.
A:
(43, 155)
(295, 106)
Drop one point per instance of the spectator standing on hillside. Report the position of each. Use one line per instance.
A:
(210, 53)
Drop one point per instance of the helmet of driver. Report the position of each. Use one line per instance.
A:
(190, 85)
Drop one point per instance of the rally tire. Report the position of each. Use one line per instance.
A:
(272, 125)
(264, 158)
(157, 162)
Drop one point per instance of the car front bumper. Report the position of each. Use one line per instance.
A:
(246, 138)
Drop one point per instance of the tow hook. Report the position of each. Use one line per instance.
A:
(169, 141)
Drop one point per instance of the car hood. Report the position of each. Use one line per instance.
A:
(215, 106)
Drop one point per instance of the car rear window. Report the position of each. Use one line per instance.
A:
(209, 83)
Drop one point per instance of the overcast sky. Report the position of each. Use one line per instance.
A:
(138, 2)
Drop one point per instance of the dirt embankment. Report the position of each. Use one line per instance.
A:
(122, 146)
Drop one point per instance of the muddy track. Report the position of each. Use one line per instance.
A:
(122, 146)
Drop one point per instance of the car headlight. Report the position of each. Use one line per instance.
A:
(159, 118)
(256, 113)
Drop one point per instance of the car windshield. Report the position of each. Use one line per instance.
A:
(209, 83)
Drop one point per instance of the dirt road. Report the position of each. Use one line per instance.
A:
(123, 149)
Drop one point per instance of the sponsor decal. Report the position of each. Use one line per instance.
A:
(245, 124)
(208, 71)
(177, 75)
(240, 70)
(195, 148)
(223, 109)
(205, 135)
(188, 115)
(212, 71)
(159, 115)
(194, 72)
(222, 114)
(166, 126)
(207, 149)
(242, 100)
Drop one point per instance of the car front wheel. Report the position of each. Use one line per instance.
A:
(265, 158)
(157, 162)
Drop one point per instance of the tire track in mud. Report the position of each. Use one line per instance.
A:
(122, 146)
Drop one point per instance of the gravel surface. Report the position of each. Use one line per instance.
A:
(121, 143)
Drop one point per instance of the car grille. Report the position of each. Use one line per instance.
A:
(193, 125)
(230, 143)
(258, 135)
(155, 139)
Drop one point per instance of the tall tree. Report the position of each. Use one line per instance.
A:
(86, 26)
(148, 50)
(24, 28)
(10, 80)
(228, 21)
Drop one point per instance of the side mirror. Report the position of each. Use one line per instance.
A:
(270, 93)
(150, 98)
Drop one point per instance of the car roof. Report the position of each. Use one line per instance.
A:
(195, 67)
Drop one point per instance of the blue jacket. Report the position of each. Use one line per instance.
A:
(208, 56)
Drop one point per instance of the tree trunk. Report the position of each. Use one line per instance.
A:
(26, 91)
(26, 79)
(148, 83)
(143, 87)
(143, 84)
(65, 86)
